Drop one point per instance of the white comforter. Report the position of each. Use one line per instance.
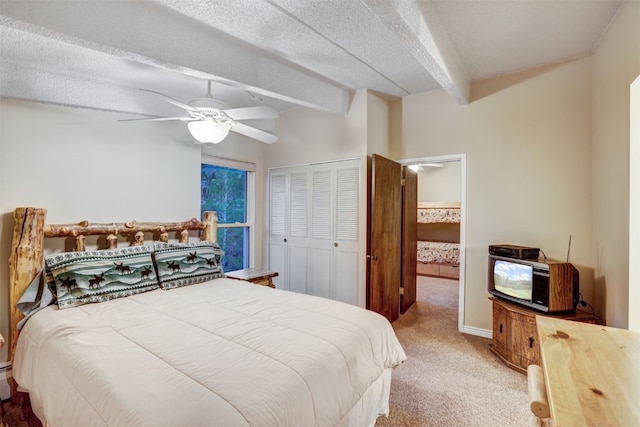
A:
(224, 352)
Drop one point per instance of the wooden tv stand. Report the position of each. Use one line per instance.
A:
(515, 339)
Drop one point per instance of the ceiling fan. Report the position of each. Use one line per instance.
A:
(210, 122)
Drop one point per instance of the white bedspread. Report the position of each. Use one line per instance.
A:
(225, 353)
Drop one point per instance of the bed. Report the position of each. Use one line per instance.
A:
(438, 239)
(191, 351)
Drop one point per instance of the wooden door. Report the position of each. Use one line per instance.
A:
(409, 238)
(384, 244)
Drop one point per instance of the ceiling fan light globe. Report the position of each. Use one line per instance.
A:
(208, 131)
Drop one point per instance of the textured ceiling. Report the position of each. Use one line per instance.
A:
(281, 53)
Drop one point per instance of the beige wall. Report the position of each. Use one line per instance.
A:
(439, 184)
(378, 126)
(616, 63)
(527, 138)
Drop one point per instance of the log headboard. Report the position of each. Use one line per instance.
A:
(30, 230)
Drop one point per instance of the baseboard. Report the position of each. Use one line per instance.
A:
(5, 380)
(477, 331)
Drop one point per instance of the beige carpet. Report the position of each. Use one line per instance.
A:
(450, 378)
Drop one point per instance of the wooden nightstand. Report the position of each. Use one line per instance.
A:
(254, 275)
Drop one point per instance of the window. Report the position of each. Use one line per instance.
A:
(229, 191)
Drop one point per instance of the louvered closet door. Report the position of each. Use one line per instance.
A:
(334, 239)
(321, 243)
(289, 235)
(298, 241)
(314, 238)
(278, 182)
(347, 242)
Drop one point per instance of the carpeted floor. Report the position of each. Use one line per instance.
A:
(449, 378)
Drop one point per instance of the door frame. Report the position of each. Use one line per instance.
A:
(462, 158)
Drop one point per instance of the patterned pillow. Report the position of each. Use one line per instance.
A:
(96, 276)
(182, 264)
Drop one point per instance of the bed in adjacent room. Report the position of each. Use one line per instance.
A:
(153, 334)
(439, 239)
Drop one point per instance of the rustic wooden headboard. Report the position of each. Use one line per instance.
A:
(27, 247)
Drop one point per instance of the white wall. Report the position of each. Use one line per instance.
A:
(83, 165)
(527, 137)
(616, 63)
(309, 136)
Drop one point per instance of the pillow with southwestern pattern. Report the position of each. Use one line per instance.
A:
(97, 276)
(183, 264)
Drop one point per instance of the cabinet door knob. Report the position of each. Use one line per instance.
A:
(335, 244)
(531, 342)
(284, 240)
(500, 327)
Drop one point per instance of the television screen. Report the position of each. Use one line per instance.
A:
(513, 279)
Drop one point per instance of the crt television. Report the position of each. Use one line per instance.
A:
(548, 286)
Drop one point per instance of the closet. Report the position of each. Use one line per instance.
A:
(314, 237)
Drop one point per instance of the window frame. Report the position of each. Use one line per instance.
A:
(250, 169)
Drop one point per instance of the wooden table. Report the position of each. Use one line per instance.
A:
(592, 373)
(254, 275)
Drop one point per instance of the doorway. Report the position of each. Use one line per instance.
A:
(460, 161)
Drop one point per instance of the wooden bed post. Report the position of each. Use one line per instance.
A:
(25, 262)
(210, 232)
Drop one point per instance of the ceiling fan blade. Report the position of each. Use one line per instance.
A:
(254, 133)
(160, 119)
(248, 113)
(173, 101)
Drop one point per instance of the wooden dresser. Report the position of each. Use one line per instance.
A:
(591, 373)
(254, 275)
(515, 339)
